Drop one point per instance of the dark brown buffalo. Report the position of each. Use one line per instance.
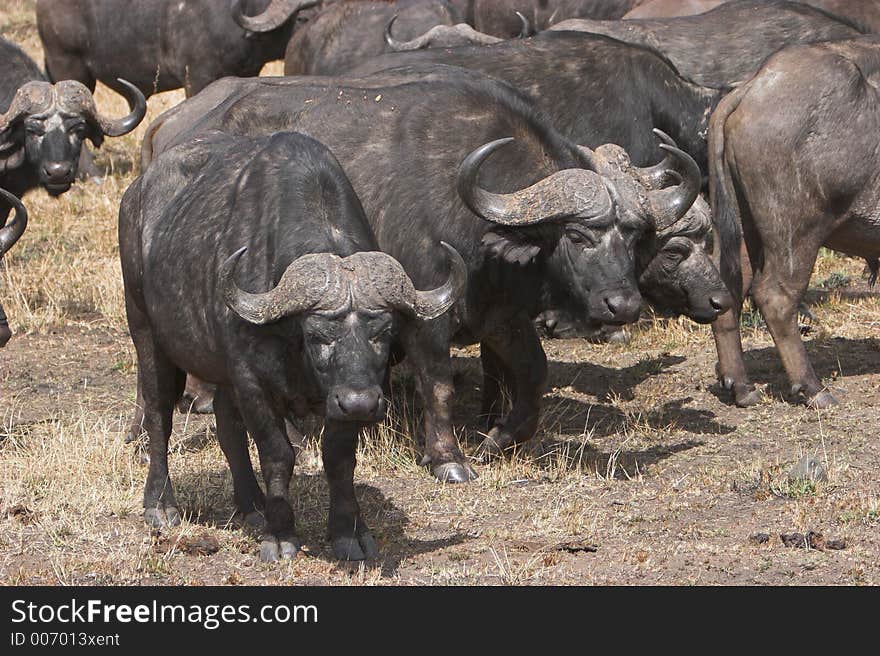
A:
(793, 168)
(156, 44)
(725, 46)
(864, 12)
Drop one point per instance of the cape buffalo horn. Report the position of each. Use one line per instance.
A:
(657, 176)
(672, 203)
(73, 93)
(431, 304)
(564, 194)
(526, 30)
(28, 97)
(302, 286)
(13, 230)
(394, 44)
(275, 15)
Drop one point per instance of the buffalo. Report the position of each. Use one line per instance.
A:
(793, 168)
(550, 220)
(864, 12)
(43, 125)
(725, 46)
(498, 17)
(157, 45)
(293, 307)
(447, 36)
(9, 234)
(607, 91)
(346, 33)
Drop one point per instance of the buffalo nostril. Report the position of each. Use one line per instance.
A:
(613, 304)
(550, 325)
(359, 403)
(720, 302)
(55, 170)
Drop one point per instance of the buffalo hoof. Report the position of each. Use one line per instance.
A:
(454, 472)
(822, 400)
(360, 548)
(159, 517)
(273, 549)
(746, 395)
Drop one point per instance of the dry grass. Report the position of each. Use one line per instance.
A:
(638, 474)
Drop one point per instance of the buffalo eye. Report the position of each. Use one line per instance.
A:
(679, 249)
(35, 129)
(580, 238)
(321, 338)
(79, 131)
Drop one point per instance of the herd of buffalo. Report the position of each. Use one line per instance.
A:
(437, 173)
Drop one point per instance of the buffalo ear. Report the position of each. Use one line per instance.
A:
(96, 134)
(511, 246)
(12, 152)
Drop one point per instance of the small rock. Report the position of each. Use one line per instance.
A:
(22, 513)
(203, 544)
(816, 541)
(576, 546)
(759, 538)
(808, 468)
(794, 540)
(836, 545)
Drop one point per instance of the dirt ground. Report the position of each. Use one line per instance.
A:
(643, 472)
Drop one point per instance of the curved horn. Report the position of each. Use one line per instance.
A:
(564, 194)
(433, 303)
(526, 30)
(672, 203)
(275, 15)
(75, 97)
(657, 176)
(303, 285)
(28, 98)
(393, 43)
(13, 230)
(381, 280)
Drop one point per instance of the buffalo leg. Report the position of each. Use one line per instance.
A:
(428, 351)
(277, 457)
(778, 289)
(522, 355)
(161, 385)
(728, 341)
(349, 534)
(249, 498)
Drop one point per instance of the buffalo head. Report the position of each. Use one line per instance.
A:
(675, 271)
(46, 123)
(274, 16)
(346, 311)
(594, 219)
